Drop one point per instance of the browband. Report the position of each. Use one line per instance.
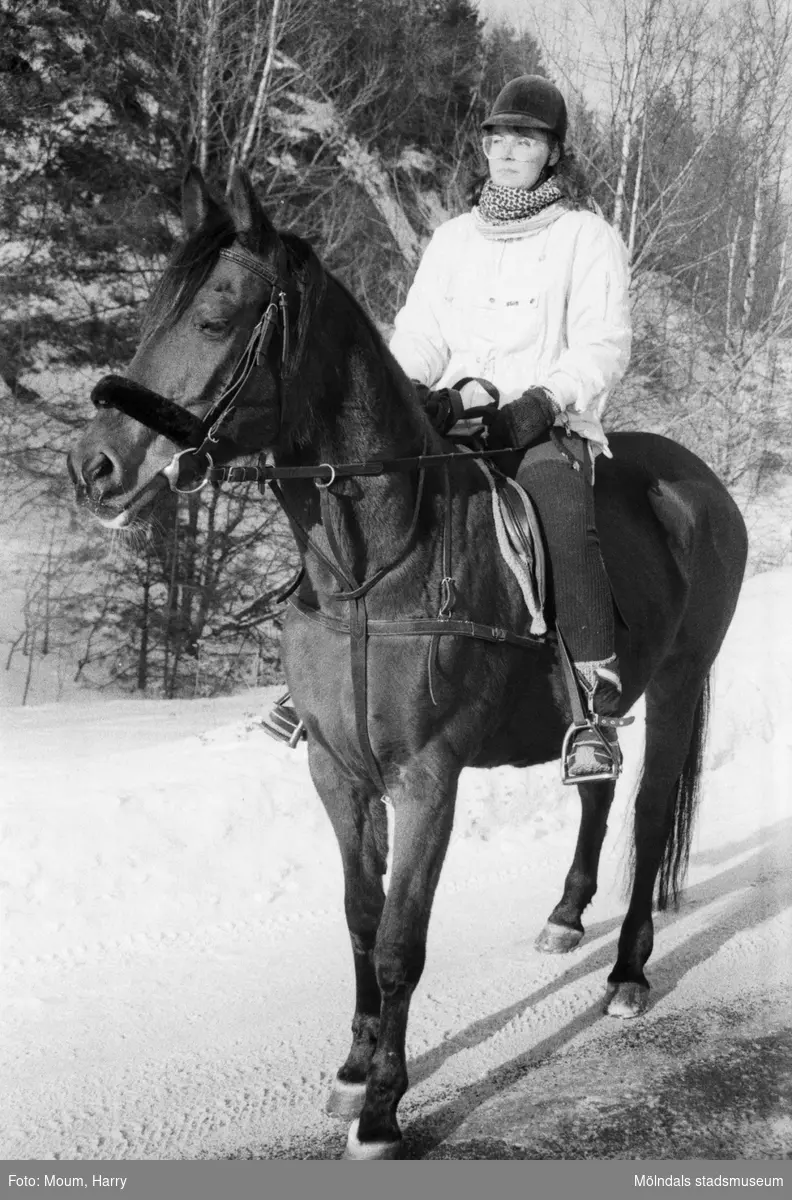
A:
(250, 262)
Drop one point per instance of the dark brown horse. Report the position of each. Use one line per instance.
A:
(401, 677)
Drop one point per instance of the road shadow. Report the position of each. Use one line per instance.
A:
(690, 1094)
(755, 898)
(755, 885)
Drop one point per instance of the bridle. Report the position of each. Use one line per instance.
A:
(252, 358)
(189, 469)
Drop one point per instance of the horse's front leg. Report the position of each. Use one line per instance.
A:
(423, 805)
(360, 823)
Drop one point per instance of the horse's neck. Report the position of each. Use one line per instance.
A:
(370, 517)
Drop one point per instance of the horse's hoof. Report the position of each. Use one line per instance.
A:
(558, 939)
(345, 1100)
(626, 1000)
(357, 1151)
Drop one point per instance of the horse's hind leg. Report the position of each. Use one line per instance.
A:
(564, 928)
(423, 805)
(360, 823)
(676, 710)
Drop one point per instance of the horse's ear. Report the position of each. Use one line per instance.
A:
(253, 226)
(197, 204)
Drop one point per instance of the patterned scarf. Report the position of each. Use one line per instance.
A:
(503, 205)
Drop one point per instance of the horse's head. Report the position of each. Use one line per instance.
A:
(223, 332)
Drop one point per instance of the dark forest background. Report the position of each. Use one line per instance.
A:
(358, 121)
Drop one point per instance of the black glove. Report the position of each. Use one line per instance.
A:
(443, 408)
(523, 421)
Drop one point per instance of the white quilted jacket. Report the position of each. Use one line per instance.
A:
(547, 307)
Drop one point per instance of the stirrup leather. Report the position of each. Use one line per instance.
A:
(283, 724)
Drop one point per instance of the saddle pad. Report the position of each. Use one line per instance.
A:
(520, 542)
(522, 530)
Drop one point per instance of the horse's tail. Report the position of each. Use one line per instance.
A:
(674, 864)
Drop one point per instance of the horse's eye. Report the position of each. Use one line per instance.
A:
(211, 327)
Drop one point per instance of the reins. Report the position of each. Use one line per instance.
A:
(264, 472)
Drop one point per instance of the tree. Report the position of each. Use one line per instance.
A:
(360, 122)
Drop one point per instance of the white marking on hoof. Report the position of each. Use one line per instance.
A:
(558, 939)
(345, 1100)
(626, 1000)
(358, 1151)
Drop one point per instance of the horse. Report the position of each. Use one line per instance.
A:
(405, 647)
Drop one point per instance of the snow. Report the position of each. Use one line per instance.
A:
(15, 252)
(768, 519)
(413, 159)
(89, 116)
(177, 978)
(308, 117)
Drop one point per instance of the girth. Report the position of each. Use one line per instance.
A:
(426, 626)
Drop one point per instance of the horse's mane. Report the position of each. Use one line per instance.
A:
(349, 326)
(312, 270)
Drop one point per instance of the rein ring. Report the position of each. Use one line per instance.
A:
(323, 486)
(171, 473)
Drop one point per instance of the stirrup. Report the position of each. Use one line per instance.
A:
(605, 751)
(283, 724)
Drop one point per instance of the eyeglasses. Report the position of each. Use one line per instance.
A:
(522, 146)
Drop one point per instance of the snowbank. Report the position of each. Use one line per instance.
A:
(174, 948)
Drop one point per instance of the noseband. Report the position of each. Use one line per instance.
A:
(197, 436)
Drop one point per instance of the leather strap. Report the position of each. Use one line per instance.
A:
(304, 539)
(361, 589)
(484, 384)
(264, 473)
(447, 586)
(579, 717)
(421, 626)
(358, 645)
(573, 689)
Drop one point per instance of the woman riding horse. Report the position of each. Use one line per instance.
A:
(401, 646)
(530, 288)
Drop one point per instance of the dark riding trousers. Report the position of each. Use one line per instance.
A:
(558, 475)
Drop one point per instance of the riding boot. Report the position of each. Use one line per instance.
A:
(592, 750)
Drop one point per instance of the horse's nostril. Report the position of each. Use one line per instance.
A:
(97, 468)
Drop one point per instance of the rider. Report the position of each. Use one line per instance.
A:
(529, 290)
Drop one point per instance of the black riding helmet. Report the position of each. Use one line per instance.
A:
(530, 102)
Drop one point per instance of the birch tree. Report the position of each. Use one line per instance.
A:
(766, 48)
